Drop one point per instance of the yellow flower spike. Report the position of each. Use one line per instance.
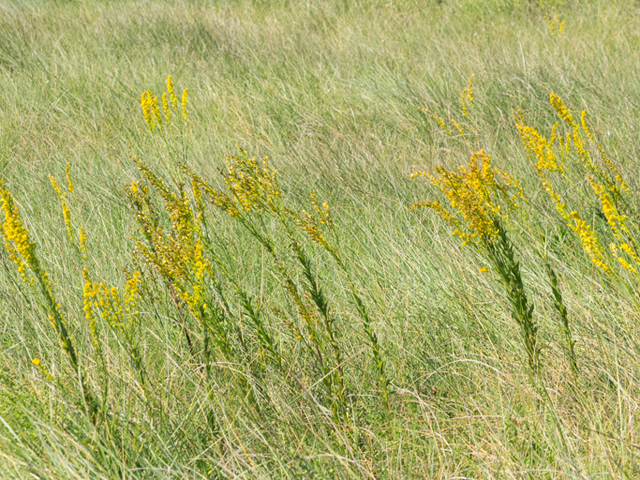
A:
(631, 252)
(575, 137)
(437, 119)
(146, 101)
(155, 110)
(615, 220)
(83, 242)
(589, 242)
(555, 26)
(184, 104)
(626, 265)
(66, 212)
(169, 85)
(70, 185)
(539, 147)
(561, 207)
(16, 238)
(478, 194)
(56, 187)
(562, 110)
(172, 95)
(23, 252)
(458, 127)
(36, 362)
(89, 292)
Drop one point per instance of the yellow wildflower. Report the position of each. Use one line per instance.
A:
(623, 262)
(437, 119)
(458, 127)
(564, 113)
(479, 193)
(615, 220)
(184, 104)
(467, 98)
(16, 238)
(589, 242)
(67, 172)
(173, 97)
(540, 147)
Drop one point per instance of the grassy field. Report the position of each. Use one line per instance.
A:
(192, 314)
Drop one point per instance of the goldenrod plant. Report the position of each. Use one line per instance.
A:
(481, 198)
(577, 159)
(253, 193)
(23, 251)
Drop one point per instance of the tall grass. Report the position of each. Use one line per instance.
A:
(174, 306)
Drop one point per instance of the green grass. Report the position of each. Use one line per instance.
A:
(329, 91)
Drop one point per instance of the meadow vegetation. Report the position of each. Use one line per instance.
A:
(357, 239)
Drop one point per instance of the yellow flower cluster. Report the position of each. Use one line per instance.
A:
(589, 242)
(617, 252)
(70, 185)
(179, 255)
(614, 218)
(253, 187)
(479, 193)
(555, 25)
(608, 184)
(564, 113)
(183, 103)
(119, 310)
(151, 110)
(541, 148)
(16, 237)
(577, 141)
